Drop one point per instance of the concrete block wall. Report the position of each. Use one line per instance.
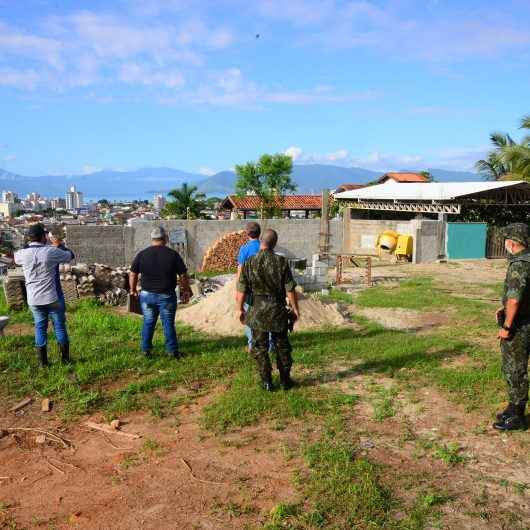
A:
(360, 236)
(118, 245)
(99, 244)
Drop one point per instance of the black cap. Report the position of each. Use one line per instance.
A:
(37, 231)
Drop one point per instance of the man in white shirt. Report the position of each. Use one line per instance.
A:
(39, 261)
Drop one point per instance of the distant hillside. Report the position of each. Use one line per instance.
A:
(313, 178)
(144, 183)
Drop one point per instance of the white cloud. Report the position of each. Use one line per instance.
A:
(207, 171)
(141, 74)
(24, 79)
(9, 158)
(403, 29)
(294, 152)
(87, 169)
(451, 159)
(88, 48)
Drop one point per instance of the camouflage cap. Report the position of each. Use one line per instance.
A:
(517, 232)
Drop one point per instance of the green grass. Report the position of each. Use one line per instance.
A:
(245, 403)
(342, 489)
(346, 490)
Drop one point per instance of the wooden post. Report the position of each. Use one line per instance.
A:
(324, 226)
(368, 277)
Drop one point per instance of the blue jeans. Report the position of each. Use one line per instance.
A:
(153, 305)
(41, 314)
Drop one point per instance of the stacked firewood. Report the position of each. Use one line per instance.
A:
(222, 255)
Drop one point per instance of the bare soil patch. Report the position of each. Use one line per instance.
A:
(18, 330)
(175, 476)
(403, 319)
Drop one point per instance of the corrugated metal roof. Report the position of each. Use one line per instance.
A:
(429, 191)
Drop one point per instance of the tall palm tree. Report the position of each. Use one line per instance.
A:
(518, 155)
(509, 160)
(187, 203)
(495, 166)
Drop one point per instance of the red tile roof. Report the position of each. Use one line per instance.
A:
(403, 177)
(349, 187)
(289, 202)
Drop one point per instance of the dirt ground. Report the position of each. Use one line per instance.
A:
(179, 476)
(175, 476)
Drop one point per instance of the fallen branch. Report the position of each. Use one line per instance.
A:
(107, 439)
(67, 464)
(110, 430)
(66, 443)
(24, 403)
(40, 478)
(199, 479)
(55, 467)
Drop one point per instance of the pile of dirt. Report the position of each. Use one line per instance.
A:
(217, 313)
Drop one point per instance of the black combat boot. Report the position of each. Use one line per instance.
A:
(515, 422)
(65, 352)
(507, 412)
(267, 385)
(266, 380)
(285, 380)
(42, 353)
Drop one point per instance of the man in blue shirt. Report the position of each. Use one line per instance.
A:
(247, 251)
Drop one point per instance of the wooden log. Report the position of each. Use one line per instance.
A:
(21, 404)
(110, 430)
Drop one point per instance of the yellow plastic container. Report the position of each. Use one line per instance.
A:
(404, 246)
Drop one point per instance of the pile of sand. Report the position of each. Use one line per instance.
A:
(216, 313)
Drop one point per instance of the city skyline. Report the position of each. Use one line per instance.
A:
(388, 84)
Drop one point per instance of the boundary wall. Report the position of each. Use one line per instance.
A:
(117, 245)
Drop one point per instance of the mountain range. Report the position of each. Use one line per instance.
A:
(144, 183)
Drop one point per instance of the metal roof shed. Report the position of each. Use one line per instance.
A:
(436, 197)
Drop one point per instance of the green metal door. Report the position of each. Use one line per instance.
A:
(466, 240)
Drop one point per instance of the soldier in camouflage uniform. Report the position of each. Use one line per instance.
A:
(514, 319)
(267, 278)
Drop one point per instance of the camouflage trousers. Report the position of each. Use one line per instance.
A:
(515, 364)
(260, 352)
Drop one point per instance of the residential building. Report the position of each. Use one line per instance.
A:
(159, 202)
(58, 203)
(295, 206)
(74, 199)
(403, 177)
(9, 196)
(7, 209)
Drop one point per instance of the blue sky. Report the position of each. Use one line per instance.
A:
(386, 84)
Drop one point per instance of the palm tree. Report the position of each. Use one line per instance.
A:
(509, 160)
(187, 203)
(518, 155)
(495, 166)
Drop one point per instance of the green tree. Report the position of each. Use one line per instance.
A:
(509, 160)
(518, 155)
(269, 179)
(427, 175)
(495, 166)
(187, 203)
